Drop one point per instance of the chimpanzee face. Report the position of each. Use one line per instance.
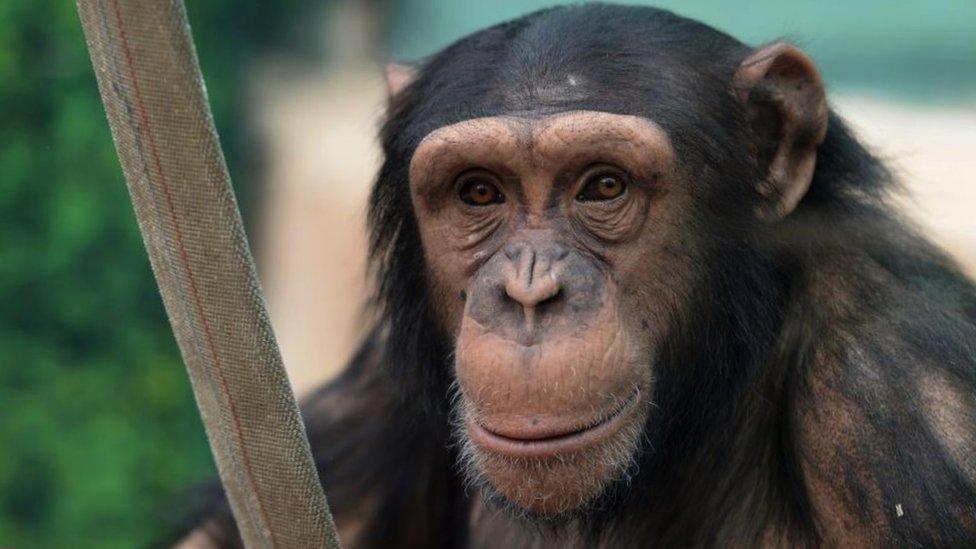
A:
(553, 243)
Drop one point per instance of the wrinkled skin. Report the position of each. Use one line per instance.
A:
(556, 297)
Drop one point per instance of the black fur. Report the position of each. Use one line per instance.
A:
(722, 459)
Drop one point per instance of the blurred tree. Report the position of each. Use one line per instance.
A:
(98, 428)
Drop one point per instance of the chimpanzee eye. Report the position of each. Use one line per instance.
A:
(602, 184)
(480, 189)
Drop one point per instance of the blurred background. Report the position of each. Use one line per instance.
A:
(99, 436)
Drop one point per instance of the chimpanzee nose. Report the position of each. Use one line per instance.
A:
(535, 275)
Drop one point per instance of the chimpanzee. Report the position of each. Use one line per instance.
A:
(639, 286)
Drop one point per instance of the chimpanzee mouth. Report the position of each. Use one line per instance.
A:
(548, 441)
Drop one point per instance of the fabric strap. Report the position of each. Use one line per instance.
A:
(157, 107)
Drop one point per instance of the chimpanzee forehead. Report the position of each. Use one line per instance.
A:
(524, 95)
(616, 59)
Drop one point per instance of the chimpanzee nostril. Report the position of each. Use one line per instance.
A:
(532, 293)
(535, 275)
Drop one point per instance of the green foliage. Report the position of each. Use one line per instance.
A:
(99, 432)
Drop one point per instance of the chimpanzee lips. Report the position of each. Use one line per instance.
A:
(554, 438)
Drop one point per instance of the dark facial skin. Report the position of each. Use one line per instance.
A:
(550, 234)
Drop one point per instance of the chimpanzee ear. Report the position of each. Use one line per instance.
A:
(398, 76)
(788, 113)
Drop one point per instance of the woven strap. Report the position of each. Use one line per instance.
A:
(157, 107)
